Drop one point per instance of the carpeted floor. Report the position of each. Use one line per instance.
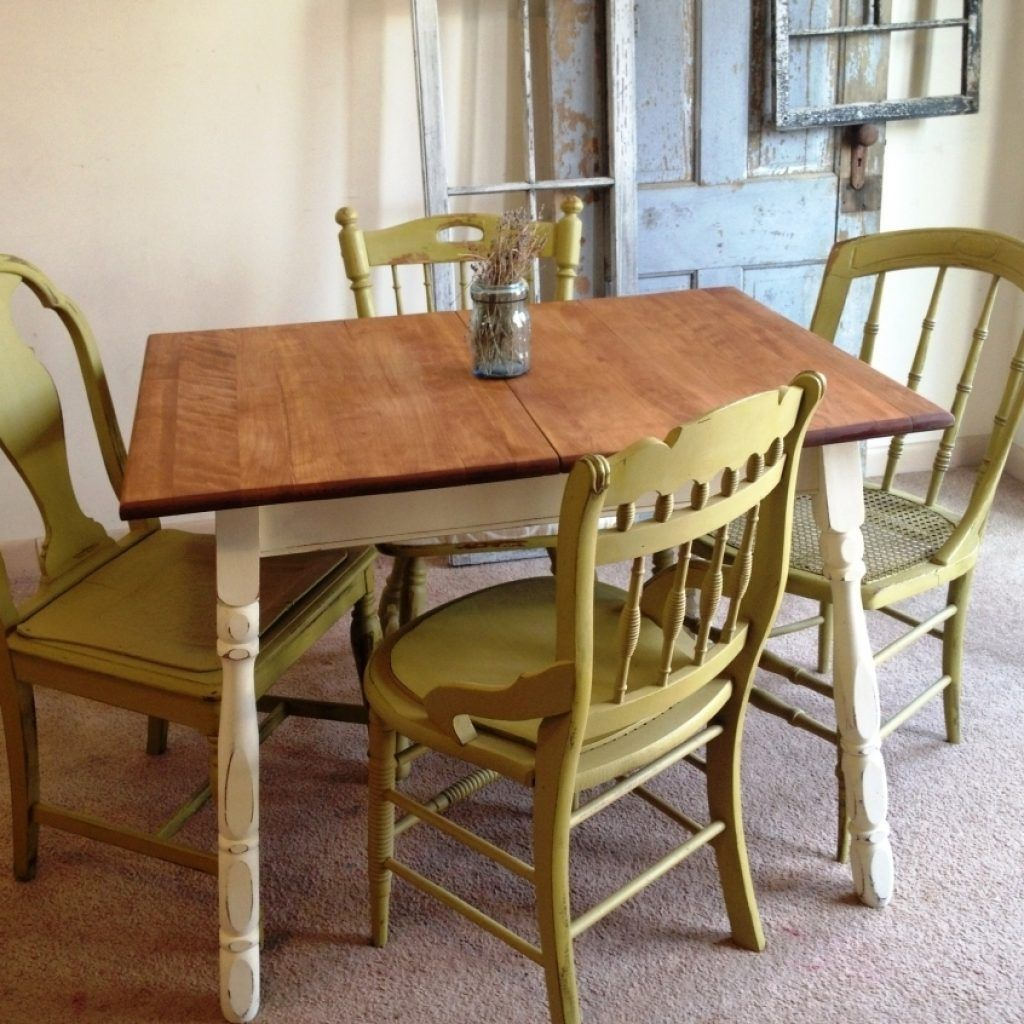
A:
(105, 936)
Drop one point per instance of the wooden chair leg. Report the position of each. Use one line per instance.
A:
(389, 609)
(723, 782)
(365, 631)
(953, 654)
(551, 879)
(381, 830)
(211, 764)
(156, 735)
(17, 703)
(842, 827)
(825, 638)
(662, 560)
(414, 590)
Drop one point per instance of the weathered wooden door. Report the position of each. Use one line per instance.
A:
(660, 113)
(724, 198)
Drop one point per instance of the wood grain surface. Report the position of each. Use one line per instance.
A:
(250, 416)
(626, 367)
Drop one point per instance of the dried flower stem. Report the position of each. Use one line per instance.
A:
(517, 243)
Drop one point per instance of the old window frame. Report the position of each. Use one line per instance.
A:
(964, 102)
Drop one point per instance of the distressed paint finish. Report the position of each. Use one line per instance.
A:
(579, 140)
(433, 148)
(839, 511)
(724, 59)
(739, 210)
(772, 151)
(593, 129)
(862, 24)
(763, 221)
(754, 207)
(666, 91)
(622, 151)
(864, 61)
(578, 131)
(577, 118)
(789, 290)
(238, 758)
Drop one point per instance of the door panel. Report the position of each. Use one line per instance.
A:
(665, 91)
(737, 224)
(724, 197)
(791, 291)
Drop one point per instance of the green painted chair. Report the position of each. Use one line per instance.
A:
(912, 543)
(130, 622)
(581, 691)
(423, 244)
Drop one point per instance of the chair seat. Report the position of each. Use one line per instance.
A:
(493, 636)
(155, 605)
(899, 532)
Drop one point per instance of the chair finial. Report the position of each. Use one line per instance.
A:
(572, 204)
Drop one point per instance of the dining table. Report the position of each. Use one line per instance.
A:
(348, 432)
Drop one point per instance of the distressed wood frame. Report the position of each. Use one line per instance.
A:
(964, 102)
(619, 183)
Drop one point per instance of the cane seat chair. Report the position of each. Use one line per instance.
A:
(424, 243)
(914, 544)
(131, 622)
(581, 691)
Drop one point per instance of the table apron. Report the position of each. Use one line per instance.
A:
(366, 519)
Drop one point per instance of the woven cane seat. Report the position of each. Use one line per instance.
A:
(898, 532)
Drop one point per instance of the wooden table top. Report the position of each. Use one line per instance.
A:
(262, 415)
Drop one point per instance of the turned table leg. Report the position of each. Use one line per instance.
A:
(839, 510)
(238, 763)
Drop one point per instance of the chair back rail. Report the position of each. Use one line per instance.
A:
(702, 478)
(32, 434)
(426, 243)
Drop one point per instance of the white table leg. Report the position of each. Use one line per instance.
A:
(238, 746)
(839, 510)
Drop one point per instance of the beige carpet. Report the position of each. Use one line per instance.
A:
(106, 936)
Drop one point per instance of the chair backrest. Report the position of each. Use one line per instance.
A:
(33, 439)
(425, 243)
(996, 259)
(737, 463)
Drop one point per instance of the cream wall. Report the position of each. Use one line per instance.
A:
(963, 171)
(176, 164)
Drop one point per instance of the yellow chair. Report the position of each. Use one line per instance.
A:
(130, 622)
(581, 691)
(912, 543)
(424, 243)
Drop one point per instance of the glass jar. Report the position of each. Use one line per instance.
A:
(499, 329)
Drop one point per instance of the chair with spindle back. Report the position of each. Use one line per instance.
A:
(130, 622)
(582, 691)
(912, 543)
(424, 243)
